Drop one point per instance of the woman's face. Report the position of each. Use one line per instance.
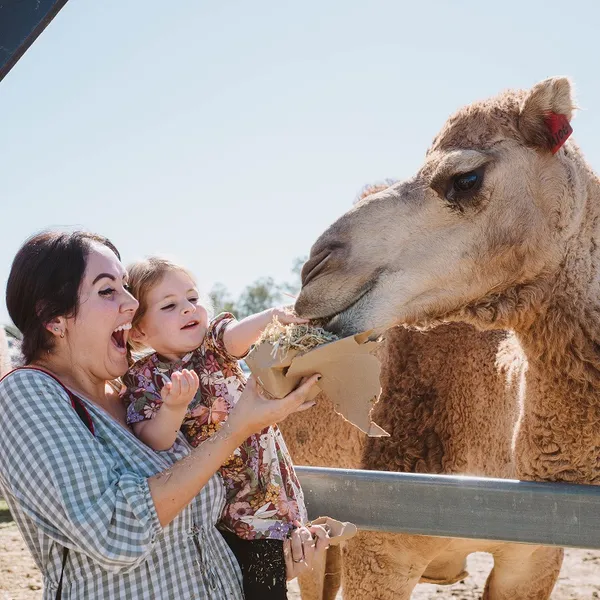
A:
(97, 336)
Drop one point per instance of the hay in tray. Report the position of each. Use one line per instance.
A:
(300, 337)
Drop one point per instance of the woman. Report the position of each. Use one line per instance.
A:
(137, 524)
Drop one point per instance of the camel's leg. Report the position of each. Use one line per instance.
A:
(324, 581)
(521, 571)
(447, 568)
(385, 566)
(311, 583)
(333, 573)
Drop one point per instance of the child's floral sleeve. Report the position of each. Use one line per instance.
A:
(141, 397)
(214, 335)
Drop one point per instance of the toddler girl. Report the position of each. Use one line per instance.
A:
(190, 383)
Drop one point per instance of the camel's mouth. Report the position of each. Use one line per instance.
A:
(348, 320)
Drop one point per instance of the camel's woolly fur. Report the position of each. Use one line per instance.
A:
(518, 253)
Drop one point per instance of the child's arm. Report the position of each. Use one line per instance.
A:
(160, 432)
(240, 335)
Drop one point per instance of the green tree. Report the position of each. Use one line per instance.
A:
(221, 300)
(258, 296)
(293, 287)
(262, 294)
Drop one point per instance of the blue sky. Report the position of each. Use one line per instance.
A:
(228, 135)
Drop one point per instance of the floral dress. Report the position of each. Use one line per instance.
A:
(263, 495)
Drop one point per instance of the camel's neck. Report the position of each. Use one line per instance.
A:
(563, 333)
(560, 429)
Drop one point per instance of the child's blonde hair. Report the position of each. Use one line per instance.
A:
(143, 276)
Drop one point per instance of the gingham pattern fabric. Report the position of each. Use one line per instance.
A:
(66, 487)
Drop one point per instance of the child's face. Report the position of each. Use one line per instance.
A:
(175, 323)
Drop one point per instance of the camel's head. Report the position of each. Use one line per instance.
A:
(489, 212)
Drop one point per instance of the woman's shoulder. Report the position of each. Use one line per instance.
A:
(24, 381)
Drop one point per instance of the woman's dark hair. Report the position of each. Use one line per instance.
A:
(44, 284)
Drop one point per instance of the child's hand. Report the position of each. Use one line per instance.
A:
(180, 391)
(286, 316)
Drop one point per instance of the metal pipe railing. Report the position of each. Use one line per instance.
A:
(557, 514)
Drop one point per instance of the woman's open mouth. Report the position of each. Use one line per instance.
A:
(190, 325)
(119, 337)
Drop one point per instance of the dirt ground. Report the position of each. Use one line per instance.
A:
(579, 579)
(19, 577)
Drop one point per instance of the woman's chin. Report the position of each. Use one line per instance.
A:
(117, 364)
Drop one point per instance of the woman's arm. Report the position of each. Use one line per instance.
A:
(174, 489)
(70, 486)
(66, 481)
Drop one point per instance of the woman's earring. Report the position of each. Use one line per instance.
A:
(62, 334)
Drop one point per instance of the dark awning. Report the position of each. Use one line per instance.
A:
(21, 21)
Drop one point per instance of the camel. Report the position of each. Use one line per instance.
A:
(498, 230)
(422, 394)
(432, 407)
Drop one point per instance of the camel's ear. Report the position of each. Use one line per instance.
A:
(546, 113)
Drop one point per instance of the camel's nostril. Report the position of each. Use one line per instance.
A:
(322, 258)
(310, 268)
(318, 262)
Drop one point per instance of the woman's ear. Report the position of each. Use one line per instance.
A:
(57, 327)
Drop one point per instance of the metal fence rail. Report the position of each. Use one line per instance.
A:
(467, 507)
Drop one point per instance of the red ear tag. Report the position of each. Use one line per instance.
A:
(560, 129)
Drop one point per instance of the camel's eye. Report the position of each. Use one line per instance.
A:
(465, 185)
(466, 182)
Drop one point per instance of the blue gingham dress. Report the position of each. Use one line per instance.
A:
(66, 487)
